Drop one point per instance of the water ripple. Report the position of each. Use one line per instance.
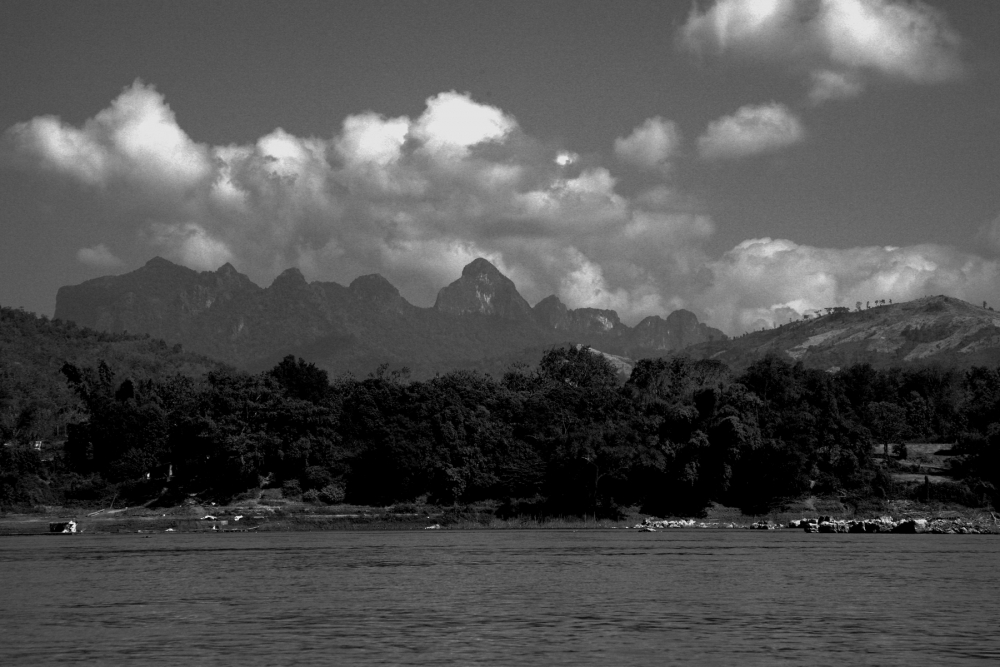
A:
(495, 597)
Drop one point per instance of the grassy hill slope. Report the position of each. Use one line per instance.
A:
(939, 329)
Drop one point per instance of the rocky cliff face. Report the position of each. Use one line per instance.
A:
(654, 334)
(478, 321)
(680, 329)
(581, 322)
(375, 290)
(161, 299)
(483, 290)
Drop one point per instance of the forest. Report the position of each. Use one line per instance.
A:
(566, 437)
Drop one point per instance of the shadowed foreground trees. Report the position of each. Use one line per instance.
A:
(566, 438)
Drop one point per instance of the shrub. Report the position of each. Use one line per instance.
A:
(332, 494)
(291, 488)
(316, 477)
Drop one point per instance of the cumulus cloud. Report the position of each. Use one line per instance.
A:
(566, 158)
(412, 198)
(135, 140)
(769, 281)
(98, 257)
(828, 85)
(749, 131)
(453, 123)
(853, 39)
(418, 198)
(650, 145)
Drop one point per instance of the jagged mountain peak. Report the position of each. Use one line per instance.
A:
(159, 268)
(289, 277)
(373, 287)
(158, 261)
(683, 318)
(481, 267)
(678, 318)
(224, 314)
(551, 312)
(650, 322)
(678, 330)
(551, 301)
(483, 290)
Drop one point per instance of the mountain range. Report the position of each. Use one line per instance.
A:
(480, 321)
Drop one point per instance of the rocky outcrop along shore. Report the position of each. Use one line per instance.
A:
(828, 524)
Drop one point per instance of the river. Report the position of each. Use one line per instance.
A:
(530, 597)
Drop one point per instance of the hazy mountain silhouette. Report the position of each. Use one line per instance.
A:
(479, 321)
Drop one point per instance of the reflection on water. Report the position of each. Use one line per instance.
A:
(493, 597)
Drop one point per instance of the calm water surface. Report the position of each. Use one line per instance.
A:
(500, 597)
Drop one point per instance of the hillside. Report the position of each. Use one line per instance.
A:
(479, 321)
(933, 330)
(35, 401)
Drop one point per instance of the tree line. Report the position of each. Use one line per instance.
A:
(567, 437)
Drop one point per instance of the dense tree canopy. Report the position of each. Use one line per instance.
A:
(566, 437)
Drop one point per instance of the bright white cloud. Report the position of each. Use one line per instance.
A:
(650, 145)
(566, 158)
(906, 40)
(135, 140)
(749, 131)
(454, 123)
(371, 139)
(376, 198)
(98, 257)
(772, 280)
(853, 38)
(412, 198)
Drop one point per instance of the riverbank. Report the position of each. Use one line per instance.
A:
(281, 515)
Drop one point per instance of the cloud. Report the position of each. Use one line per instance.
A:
(749, 131)
(853, 39)
(98, 257)
(828, 85)
(771, 280)
(416, 200)
(650, 145)
(412, 198)
(566, 158)
(452, 123)
(135, 140)
(191, 245)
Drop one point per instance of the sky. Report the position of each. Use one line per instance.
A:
(749, 160)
